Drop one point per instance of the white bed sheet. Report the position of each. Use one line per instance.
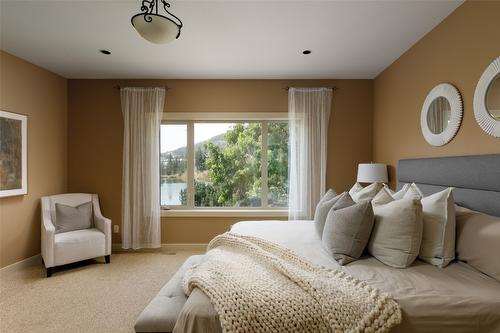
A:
(456, 298)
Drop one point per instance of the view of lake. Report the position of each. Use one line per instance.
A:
(170, 193)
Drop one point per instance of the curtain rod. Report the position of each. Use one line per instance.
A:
(166, 87)
(333, 88)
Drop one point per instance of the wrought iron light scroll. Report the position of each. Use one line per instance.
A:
(155, 27)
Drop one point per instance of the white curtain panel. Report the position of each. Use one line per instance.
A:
(142, 111)
(309, 114)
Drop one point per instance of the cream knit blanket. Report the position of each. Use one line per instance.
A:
(258, 286)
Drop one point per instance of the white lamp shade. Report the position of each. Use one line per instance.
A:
(372, 173)
(159, 31)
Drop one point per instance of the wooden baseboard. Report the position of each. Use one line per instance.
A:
(31, 261)
(172, 247)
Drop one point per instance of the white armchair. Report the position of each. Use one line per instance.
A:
(67, 247)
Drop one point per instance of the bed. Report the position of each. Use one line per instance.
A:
(457, 298)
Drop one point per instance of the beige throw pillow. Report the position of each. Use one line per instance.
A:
(399, 194)
(413, 191)
(355, 188)
(438, 237)
(438, 231)
(328, 202)
(359, 193)
(330, 194)
(478, 241)
(347, 231)
(397, 231)
(383, 196)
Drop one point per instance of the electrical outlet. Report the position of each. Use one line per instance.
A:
(116, 228)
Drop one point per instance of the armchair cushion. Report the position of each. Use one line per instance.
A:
(70, 218)
(66, 247)
(78, 245)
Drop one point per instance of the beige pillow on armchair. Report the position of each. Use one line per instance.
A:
(70, 218)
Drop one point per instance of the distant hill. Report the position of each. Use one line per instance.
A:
(182, 151)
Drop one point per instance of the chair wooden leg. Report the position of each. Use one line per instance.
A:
(107, 258)
(49, 272)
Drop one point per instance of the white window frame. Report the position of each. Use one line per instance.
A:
(190, 118)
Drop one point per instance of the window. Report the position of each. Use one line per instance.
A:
(224, 164)
(173, 164)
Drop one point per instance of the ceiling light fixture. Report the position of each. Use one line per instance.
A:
(154, 27)
(306, 52)
(106, 52)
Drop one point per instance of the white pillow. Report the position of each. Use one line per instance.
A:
(355, 188)
(438, 238)
(413, 192)
(399, 194)
(359, 192)
(397, 231)
(385, 195)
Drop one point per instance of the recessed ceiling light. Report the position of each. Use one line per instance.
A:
(106, 52)
(306, 52)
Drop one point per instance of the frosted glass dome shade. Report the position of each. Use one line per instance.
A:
(160, 30)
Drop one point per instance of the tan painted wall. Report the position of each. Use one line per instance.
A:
(42, 96)
(457, 51)
(95, 134)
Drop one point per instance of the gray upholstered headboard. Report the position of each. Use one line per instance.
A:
(476, 179)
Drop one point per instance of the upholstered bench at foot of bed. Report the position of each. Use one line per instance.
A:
(161, 313)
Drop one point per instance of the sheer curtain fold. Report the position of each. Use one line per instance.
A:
(142, 111)
(309, 114)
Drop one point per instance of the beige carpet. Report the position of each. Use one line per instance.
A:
(88, 297)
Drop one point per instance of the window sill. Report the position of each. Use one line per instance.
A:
(224, 213)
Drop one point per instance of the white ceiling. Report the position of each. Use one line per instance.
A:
(220, 39)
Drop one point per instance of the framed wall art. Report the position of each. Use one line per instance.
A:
(13, 154)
